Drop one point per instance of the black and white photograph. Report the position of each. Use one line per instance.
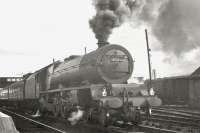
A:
(99, 66)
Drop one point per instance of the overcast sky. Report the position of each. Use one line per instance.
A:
(32, 33)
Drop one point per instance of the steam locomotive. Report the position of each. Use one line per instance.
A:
(95, 82)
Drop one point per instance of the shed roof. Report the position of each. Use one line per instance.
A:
(196, 73)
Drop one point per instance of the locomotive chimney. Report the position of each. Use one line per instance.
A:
(102, 43)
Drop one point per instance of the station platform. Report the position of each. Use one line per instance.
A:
(6, 124)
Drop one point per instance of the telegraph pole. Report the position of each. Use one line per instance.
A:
(85, 50)
(149, 61)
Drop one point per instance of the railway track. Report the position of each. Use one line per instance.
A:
(47, 124)
(152, 129)
(31, 126)
(179, 115)
(177, 119)
(170, 126)
(187, 116)
(178, 110)
(142, 129)
(25, 124)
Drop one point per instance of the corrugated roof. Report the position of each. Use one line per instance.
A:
(196, 72)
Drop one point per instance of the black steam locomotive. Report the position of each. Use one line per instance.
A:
(95, 82)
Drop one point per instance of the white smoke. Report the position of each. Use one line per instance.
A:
(75, 116)
(175, 24)
(37, 114)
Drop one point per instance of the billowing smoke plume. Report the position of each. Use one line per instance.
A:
(110, 14)
(175, 23)
(177, 26)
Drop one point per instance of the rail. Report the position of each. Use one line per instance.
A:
(34, 121)
(155, 129)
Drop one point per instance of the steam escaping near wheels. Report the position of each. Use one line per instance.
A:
(75, 116)
(37, 114)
